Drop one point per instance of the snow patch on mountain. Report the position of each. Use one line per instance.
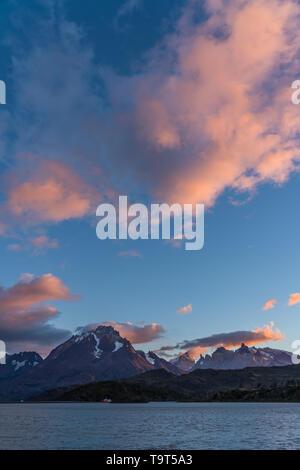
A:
(81, 337)
(118, 346)
(98, 352)
(18, 365)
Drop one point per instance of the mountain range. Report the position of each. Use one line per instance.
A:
(243, 357)
(18, 363)
(86, 357)
(103, 355)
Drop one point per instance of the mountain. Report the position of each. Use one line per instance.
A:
(103, 355)
(89, 356)
(160, 363)
(243, 357)
(18, 363)
(184, 361)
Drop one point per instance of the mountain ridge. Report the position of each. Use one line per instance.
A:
(242, 357)
(90, 356)
(103, 355)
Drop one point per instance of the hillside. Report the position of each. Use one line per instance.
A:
(202, 384)
(288, 393)
(119, 392)
(252, 384)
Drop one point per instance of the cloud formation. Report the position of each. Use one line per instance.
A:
(270, 304)
(24, 316)
(294, 299)
(42, 243)
(185, 310)
(212, 108)
(209, 110)
(136, 334)
(55, 173)
(235, 338)
(229, 340)
(52, 191)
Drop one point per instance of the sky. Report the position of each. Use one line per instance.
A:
(174, 101)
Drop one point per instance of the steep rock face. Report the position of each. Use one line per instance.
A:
(90, 356)
(184, 361)
(244, 357)
(160, 363)
(101, 354)
(15, 364)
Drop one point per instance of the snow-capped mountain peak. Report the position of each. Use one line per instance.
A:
(19, 362)
(244, 356)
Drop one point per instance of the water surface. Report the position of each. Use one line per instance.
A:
(150, 426)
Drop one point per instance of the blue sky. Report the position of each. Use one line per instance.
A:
(82, 82)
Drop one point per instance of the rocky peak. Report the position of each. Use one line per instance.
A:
(244, 357)
(29, 358)
(243, 349)
(158, 362)
(184, 361)
(91, 343)
(221, 349)
(103, 330)
(18, 362)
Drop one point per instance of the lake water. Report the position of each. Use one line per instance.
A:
(150, 426)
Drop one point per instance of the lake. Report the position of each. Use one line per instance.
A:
(150, 426)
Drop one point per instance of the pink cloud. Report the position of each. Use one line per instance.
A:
(52, 191)
(136, 334)
(24, 316)
(43, 242)
(233, 339)
(294, 298)
(195, 352)
(270, 304)
(34, 291)
(40, 244)
(212, 109)
(230, 340)
(185, 310)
